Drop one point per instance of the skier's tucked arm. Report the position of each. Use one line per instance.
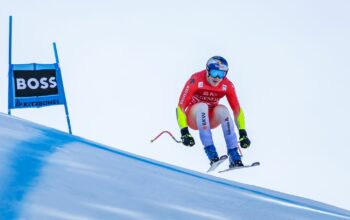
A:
(181, 117)
(185, 97)
(239, 116)
(235, 106)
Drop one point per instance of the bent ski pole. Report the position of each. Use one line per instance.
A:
(168, 132)
(177, 141)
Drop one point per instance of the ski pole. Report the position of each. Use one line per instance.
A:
(177, 141)
(239, 149)
(169, 133)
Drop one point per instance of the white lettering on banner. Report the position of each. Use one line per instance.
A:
(31, 81)
(44, 84)
(21, 84)
(34, 84)
(52, 82)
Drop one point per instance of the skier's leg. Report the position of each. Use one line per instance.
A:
(221, 114)
(198, 118)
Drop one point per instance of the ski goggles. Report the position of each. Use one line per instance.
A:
(217, 73)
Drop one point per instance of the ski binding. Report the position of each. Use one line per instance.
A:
(217, 163)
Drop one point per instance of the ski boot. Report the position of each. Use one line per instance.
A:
(236, 163)
(235, 158)
(215, 159)
(211, 153)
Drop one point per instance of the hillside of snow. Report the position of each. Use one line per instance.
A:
(48, 174)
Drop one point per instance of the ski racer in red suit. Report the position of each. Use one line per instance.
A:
(199, 109)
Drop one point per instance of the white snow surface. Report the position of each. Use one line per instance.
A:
(48, 174)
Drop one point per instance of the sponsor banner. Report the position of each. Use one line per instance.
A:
(29, 83)
(36, 103)
(35, 86)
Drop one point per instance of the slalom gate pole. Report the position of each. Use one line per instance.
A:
(169, 133)
(64, 95)
(10, 63)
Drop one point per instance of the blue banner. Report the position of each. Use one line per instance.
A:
(35, 86)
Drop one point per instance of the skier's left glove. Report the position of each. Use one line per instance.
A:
(186, 137)
(243, 139)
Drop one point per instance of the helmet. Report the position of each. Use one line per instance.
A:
(217, 63)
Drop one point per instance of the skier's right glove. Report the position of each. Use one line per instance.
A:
(186, 137)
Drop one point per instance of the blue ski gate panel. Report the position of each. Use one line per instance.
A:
(35, 85)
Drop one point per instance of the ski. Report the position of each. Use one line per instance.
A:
(241, 167)
(217, 163)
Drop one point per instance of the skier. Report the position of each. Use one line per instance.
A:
(199, 109)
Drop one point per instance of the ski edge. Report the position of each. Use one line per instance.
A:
(217, 164)
(236, 168)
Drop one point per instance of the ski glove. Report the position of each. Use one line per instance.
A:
(243, 139)
(186, 137)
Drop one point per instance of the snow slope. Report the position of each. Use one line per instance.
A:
(47, 174)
